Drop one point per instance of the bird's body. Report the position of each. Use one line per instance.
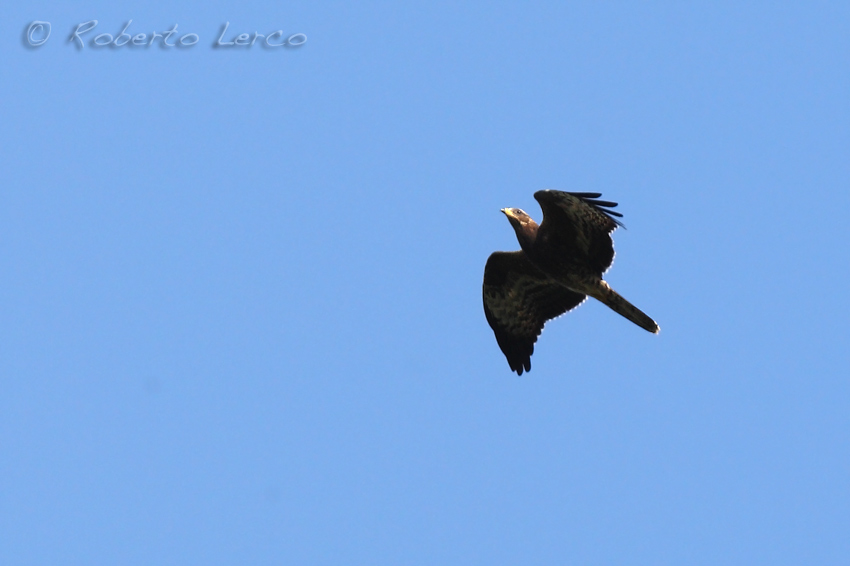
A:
(561, 263)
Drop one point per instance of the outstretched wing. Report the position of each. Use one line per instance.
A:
(578, 226)
(518, 300)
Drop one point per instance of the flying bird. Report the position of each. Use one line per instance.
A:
(561, 263)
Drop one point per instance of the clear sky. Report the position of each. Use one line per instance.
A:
(240, 287)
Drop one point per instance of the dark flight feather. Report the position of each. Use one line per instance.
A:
(518, 300)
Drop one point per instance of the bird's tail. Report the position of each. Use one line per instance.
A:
(618, 304)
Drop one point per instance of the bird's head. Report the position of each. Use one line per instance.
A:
(524, 226)
(517, 217)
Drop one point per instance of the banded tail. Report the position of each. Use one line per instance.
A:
(618, 304)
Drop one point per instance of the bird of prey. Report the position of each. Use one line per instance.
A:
(561, 262)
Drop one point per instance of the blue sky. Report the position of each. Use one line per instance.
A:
(241, 307)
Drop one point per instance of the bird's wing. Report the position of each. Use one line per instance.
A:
(578, 225)
(518, 300)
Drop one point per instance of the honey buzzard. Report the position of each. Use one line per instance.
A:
(561, 262)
